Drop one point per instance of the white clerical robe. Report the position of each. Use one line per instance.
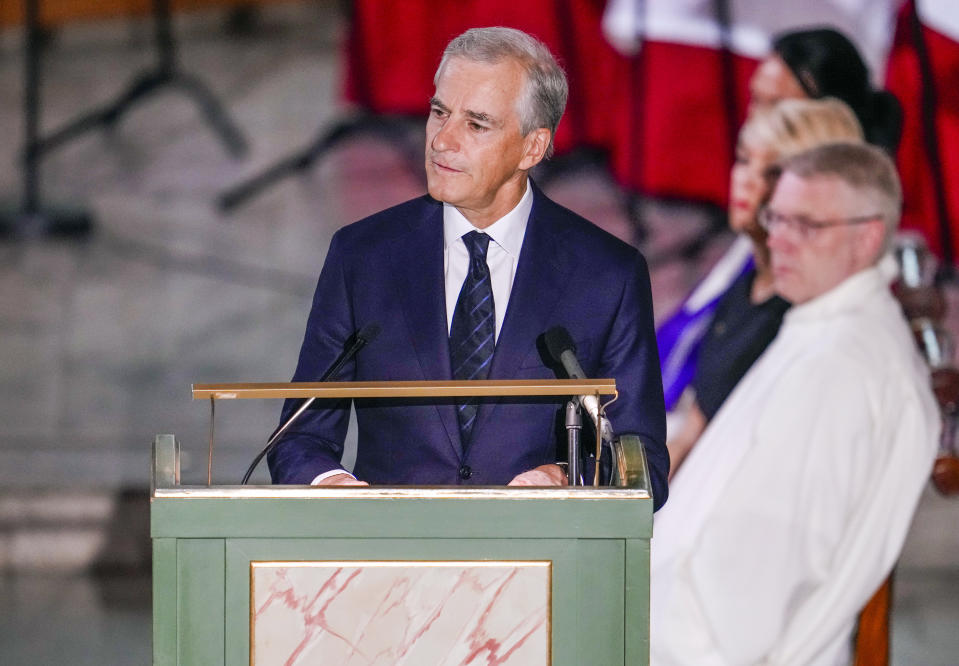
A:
(794, 505)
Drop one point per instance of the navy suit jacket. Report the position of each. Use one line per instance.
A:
(388, 269)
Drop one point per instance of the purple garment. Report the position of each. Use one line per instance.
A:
(679, 339)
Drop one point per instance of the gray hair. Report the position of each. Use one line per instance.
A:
(866, 169)
(544, 96)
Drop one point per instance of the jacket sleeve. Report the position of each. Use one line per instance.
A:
(314, 443)
(631, 357)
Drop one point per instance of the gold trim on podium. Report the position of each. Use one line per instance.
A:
(309, 391)
(430, 389)
(470, 493)
(396, 564)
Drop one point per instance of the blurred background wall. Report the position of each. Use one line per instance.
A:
(190, 267)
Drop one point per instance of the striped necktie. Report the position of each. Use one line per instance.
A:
(473, 328)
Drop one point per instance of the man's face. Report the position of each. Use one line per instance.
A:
(804, 268)
(476, 156)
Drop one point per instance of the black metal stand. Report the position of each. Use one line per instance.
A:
(727, 67)
(30, 219)
(395, 129)
(574, 424)
(165, 73)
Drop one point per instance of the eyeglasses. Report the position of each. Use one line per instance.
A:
(805, 227)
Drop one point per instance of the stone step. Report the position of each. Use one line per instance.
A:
(72, 531)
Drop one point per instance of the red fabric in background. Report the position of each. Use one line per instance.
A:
(671, 128)
(660, 116)
(394, 48)
(391, 53)
(571, 31)
(903, 79)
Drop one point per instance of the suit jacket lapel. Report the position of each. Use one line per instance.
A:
(417, 263)
(541, 277)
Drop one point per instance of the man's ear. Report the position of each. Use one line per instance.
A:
(536, 143)
(872, 236)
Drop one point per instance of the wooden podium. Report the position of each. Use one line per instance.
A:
(400, 575)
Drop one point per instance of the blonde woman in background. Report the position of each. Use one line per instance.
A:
(749, 314)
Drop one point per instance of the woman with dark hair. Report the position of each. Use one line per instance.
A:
(802, 64)
(822, 62)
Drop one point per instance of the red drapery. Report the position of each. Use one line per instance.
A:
(661, 116)
(903, 79)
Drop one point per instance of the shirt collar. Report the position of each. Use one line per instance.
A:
(507, 232)
(848, 293)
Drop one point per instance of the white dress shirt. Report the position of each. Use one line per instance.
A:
(795, 502)
(502, 255)
(506, 241)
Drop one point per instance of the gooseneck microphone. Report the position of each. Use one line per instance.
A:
(560, 346)
(356, 342)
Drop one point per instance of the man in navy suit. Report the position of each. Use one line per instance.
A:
(463, 283)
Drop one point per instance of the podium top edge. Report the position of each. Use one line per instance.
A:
(406, 389)
(394, 493)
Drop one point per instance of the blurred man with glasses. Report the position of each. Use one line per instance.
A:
(794, 506)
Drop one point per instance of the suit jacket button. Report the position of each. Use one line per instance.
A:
(465, 472)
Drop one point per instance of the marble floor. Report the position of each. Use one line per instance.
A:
(100, 339)
(105, 621)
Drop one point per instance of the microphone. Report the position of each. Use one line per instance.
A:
(560, 346)
(359, 340)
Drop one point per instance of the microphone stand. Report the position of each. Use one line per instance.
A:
(574, 424)
(359, 341)
(560, 346)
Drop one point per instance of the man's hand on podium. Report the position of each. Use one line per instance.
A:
(342, 480)
(544, 475)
